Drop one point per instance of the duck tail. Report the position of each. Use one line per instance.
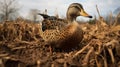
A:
(45, 16)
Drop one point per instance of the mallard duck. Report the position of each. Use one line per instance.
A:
(71, 34)
(74, 10)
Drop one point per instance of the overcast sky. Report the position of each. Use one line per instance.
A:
(105, 6)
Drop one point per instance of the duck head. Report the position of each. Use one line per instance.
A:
(75, 10)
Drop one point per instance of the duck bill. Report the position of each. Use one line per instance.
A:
(83, 13)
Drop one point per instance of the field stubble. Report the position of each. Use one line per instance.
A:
(21, 45)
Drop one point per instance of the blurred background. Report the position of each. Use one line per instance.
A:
(11, 9)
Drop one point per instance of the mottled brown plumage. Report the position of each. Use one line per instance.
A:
(64, 35)
(67, 38)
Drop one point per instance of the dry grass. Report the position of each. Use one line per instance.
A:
(22, 45)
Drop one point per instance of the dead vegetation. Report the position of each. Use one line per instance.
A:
(22, 46)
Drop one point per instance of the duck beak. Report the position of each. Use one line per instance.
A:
(83, 13)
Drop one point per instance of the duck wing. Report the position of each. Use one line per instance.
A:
(67, 38)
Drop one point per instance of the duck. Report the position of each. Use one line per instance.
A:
(74, 10)
(70, 35)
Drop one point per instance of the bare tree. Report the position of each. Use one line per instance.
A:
(8, 9)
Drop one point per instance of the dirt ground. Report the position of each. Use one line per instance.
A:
(22, 46)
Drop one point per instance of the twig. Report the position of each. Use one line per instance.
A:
(1, 63)
(85, 60)
(16, 48)
(52, 65)
(112, 56)
(80, 51)
(3, 55)
(116, 19)
(110, 18)
(105, 60)
(98, 11)
(38, 63)
(97, 61)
